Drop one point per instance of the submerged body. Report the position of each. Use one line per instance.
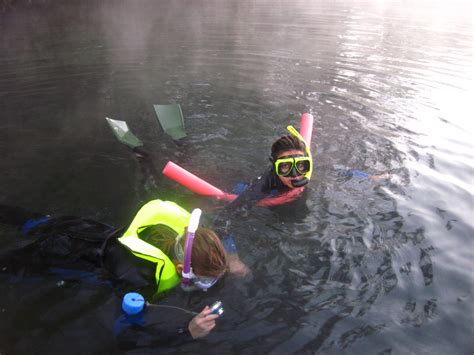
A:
(140, 259)
(125, 261)
(285, 179)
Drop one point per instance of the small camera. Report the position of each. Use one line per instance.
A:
(217, 308)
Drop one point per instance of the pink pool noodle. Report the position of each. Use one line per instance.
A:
(306, 127)
(201, 187)
(282, 198)
(194, 183)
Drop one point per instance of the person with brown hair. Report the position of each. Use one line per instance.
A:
(149, 257)
(283, 180)
(290, 163)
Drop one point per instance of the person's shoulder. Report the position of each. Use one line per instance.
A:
(270, 182)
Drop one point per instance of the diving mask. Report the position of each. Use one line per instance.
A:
(292, 165)
(202, 282)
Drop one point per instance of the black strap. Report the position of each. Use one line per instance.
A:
(116, 233)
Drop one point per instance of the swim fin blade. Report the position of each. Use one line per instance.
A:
(171, 120)
(123, 133)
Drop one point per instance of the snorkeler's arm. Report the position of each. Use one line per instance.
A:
(166, 328)
(258, 189)
(202, 324)
(354, 173)
(236, 266)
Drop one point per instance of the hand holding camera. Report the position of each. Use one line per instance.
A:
(204, 322)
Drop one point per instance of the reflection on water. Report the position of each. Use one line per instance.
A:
(357, 266)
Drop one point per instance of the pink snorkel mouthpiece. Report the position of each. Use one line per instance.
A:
(193, 225)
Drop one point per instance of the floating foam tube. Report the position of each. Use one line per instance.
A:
(281, 199)
(194, 183)
(201, 187)
(306, 127)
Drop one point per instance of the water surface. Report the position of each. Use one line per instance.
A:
(356, 266)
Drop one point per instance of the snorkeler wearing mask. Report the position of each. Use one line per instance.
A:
(149, 257)
(291, 163)
(162, 248)
(167, 235)
(290, 170)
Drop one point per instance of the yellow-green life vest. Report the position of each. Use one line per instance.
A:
(157, 212)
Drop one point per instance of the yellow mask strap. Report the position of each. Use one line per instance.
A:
(294, 132)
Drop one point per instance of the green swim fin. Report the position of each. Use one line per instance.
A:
(171, 120)
(123, 133)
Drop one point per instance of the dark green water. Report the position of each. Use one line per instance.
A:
(355, 267)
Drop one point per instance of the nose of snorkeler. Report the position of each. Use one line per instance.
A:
(294, 173)
(299, 182)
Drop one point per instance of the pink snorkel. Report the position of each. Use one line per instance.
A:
(193, 225)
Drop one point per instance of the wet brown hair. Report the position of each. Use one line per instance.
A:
(286, 143)
(208, 256)
(160, 236)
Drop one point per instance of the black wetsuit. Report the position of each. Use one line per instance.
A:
(65, 245)
(266, 185)
(270, 185)
(77, 244)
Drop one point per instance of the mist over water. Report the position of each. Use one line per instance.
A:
(356, 266)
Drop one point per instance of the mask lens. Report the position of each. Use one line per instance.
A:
(295, 166)
(204, 282)
(284, 168)
(303, 166)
